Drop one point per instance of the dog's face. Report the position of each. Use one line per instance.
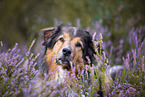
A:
(65, 45)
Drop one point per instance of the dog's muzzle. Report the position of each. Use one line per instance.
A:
(64, 60)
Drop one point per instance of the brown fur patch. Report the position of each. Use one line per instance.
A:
(77, 54)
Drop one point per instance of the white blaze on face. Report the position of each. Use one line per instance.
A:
(75, 31)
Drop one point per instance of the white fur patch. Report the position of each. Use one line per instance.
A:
(75, 30)
(114, 69)
(61, 75)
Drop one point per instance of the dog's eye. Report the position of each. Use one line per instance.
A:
(61, 39)
(78, 45)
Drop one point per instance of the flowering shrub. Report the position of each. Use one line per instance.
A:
(18, 71)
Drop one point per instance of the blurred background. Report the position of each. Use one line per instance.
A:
(21, 20)
(120, 22)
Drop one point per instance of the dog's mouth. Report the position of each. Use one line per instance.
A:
(64, 62)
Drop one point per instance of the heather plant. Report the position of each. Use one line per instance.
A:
(131, 83)
(19, 71)
(16, 71)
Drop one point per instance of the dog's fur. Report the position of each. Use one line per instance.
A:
(66, 48)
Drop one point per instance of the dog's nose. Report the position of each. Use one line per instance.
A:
(66, 51)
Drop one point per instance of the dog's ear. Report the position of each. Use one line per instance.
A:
(47, 34)
(89, 47)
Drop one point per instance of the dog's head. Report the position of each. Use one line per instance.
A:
(68, 44)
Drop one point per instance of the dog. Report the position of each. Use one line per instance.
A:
(67, 49)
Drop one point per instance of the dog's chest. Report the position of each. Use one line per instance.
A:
(60, 75)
